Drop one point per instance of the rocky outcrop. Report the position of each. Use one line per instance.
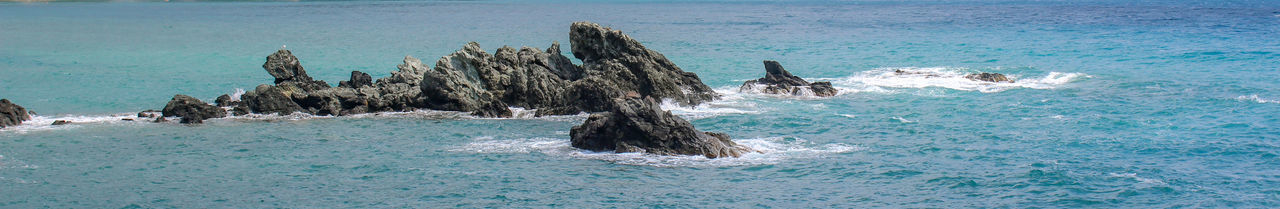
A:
(191, 110)
(989, 77)
(778, 81)
(616, 58)
(636, 124)
(473, 80)
(226, 101)
(11, 114)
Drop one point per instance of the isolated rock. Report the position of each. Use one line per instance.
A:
(778, 81)
(191, 110)
(635, 124)
(149, 114)
(60, 122)
(11, 114)
(989, 77)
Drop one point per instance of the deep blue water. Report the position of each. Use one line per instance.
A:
(1118, 104)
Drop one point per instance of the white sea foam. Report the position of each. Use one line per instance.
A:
(44, 123)
(771, 151)
(952, 78)
(901, 120)
(235, 96)
(1256, 98)
(729, 103)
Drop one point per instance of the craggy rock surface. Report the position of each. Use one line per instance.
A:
(473, 80)
(989, 77)
(778, 81)
(191, 110)
(11, 114)
(635, 124)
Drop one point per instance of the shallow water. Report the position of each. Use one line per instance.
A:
(1135, 104)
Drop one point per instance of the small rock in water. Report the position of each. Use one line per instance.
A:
(61, 122)
(989, 77)
(778, 81)
(225, 101)
(191, 110)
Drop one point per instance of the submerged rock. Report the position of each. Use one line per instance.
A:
(989, 77)
(778, 81)
(191, 110)
(635, 124)
(60, 122)
(12, 114)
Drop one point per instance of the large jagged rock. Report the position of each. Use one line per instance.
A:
(12, 114)
(635, 124)
(191, 110)
(989, 77)
(488, 85)
(287, 69)
(630, 66)
(778, 81)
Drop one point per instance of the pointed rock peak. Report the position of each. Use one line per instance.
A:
(554, 48)
(411, 61)
(285, 67)
(773, 69)
(591, 42)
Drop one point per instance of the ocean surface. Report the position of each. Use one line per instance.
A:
(1117, 104)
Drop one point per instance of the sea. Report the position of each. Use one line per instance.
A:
(1116, 104)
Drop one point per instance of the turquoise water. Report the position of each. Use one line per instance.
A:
(1133, 104)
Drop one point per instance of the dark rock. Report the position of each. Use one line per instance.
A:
(60, 122)
(623, 61)
(12, 114)
(778, 81)
(225, 101)
(268, 99)
(288, 70)
(127, 119)
(636, 124)
(149, 114)
(823, 89)
(561, 65)
(358, 79)
(989, 77)
(459, 80)
(191, 110)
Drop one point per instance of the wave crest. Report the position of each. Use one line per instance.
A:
(772, 151)
(951, 78)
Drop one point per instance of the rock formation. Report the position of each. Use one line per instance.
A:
(989, 77)
(486, 85)
(635, 124)
(191, 110)
(778, 81)
(11, 114)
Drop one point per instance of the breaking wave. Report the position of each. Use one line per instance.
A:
(952, 78)
(1256, 98)
(772, 151)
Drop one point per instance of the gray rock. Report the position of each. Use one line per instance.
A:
(778, 81)
(285, 67)
(358, 79)
(12, 114)
(459, 80)
(989, 77)
(60, 122)
(635, 124)
(149, 114)
(267, 99)
(630, 66)
(191, 110)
